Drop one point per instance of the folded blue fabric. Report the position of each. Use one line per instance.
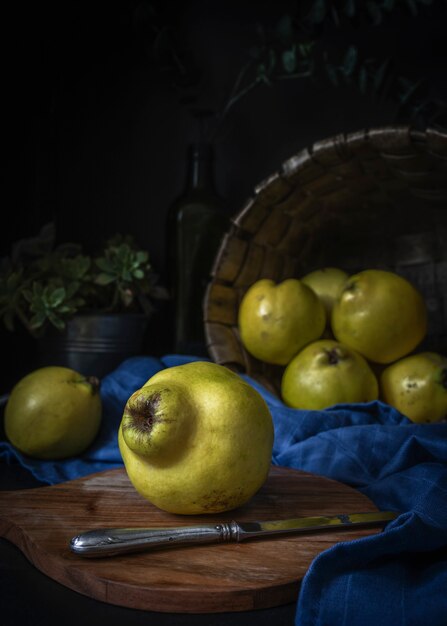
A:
(398, 576)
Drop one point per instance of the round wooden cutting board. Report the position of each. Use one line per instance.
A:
(190, 579)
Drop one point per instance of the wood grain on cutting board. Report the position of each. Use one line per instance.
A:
(187, 579)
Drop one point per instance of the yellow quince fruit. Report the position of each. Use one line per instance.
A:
(277, 320)
(326, 282)
(380, 314)
(53, 413)
(417, 386)
(196, 438)
(325, 373)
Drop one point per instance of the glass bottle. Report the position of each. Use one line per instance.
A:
(196, 225)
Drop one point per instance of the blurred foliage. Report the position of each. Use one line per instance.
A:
(298, 47)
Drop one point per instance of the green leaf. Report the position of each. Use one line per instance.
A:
(266, 80)
(260, 70)
(37, 289)
(27, 294)
(350, 61)
(56, 321)
(363, 79)
(13, 280)
(65, 309)
(83, 264)
(317, 12)
(306, 48)
(56, 297)
(141, 256)
(380, 75)
(34, 247)
(138, 274)
(374, 12)
(123, 250)
(304, 68)
(71, 289)
(78, 303)
(349, 8)
(284, 29)
(289, 60)
(105, 264)
(271, 61)
(332, 74)
(104, 279)
(408, 89)
(38, 320)
(412, 6)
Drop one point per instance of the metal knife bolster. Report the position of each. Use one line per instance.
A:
(113, 541)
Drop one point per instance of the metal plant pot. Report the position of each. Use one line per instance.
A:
(94, 344)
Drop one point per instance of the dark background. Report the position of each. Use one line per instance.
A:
(96, 133)
(95, 139)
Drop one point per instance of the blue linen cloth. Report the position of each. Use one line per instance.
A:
(396, 577)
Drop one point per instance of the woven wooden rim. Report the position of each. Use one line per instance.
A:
(373, 198)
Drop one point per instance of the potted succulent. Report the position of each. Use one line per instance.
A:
(85, 312)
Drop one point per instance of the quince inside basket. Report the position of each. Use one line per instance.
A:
(376, 198)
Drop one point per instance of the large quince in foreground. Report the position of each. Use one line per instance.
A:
(380, 314)
(196, 438)
(53, 412)
(417, 386)
(325, 373)
(277, 320)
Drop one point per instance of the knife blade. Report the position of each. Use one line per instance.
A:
(104, 542)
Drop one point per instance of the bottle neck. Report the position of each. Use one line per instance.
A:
(200, 173)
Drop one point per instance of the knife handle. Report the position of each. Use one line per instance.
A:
(112, 541)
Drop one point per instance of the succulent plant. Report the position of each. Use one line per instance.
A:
(42, 284)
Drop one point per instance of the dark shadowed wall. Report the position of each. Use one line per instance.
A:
(96, 138)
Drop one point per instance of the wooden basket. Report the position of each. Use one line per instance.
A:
(371, 199)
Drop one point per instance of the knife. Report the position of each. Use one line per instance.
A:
(112, 541)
